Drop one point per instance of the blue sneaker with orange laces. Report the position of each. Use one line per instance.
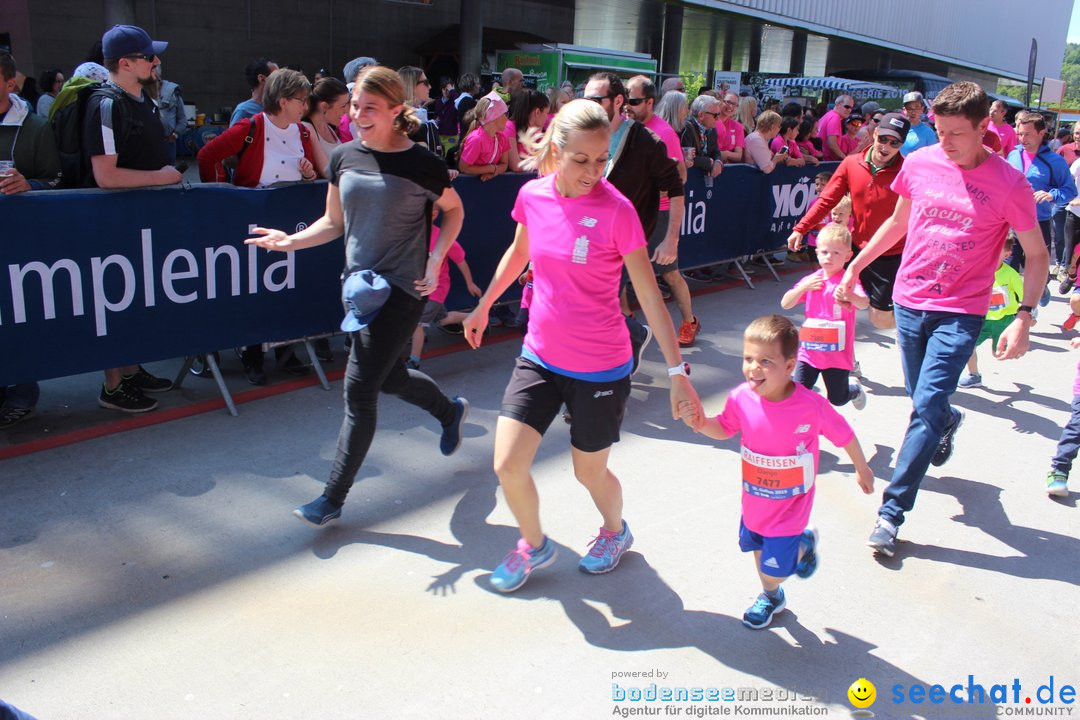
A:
(520, 562)
(607, 550)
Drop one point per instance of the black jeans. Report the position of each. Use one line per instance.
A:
(1072, 228)
(375, 366)
(837, 381)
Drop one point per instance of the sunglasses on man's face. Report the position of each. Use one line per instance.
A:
(635, 101)
(848, 107)
(890, 141)
(596, 98)
(140, 56)
(714, 114)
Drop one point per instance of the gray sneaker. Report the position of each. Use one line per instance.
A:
(883, 538)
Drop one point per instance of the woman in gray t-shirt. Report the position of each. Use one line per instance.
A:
(381, 193)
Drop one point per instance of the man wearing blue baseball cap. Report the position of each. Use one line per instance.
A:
(121, 158)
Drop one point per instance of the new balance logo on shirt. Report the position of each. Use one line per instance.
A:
(587, 221)
(802, 429)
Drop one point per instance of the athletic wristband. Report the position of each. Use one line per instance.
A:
(1025, 308)
(680, 369)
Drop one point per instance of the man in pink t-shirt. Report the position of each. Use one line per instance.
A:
(730, 133)
(1003, 129)
(957, 201)
(641, 97)
(831, 128)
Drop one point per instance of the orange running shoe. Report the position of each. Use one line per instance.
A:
(1070, 322)
(688, 331)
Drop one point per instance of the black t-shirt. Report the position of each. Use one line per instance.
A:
(136, 136)
(386, 198)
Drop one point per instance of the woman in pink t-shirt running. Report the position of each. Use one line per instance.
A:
(578, 231)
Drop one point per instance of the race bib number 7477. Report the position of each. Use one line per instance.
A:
(777, 477)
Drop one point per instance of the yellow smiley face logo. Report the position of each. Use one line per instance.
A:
(862, 693)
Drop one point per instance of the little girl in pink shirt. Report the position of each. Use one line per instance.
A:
(485, 151)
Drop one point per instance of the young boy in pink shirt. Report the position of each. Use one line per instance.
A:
(780, 421)
(827, 338)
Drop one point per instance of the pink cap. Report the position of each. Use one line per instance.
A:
(496, 109)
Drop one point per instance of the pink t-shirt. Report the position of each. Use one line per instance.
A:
(831, 124)
(808, 148)
(671, 141)
(1076, 382)
(848, 144)
(820, 305)
(777, 144)
(730, 134)
(576, 246)
(959, 219)
(535, 135)
(480, 148)
(454, 255)
(781, 439)
(1007, 134)
(345, 128)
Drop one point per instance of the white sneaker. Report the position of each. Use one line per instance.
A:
(858, 395)
(856, 370)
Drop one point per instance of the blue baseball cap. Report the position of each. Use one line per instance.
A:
(123, 40)
(364, 293)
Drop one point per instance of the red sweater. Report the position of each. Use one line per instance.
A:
(872, 200)
(230, 142)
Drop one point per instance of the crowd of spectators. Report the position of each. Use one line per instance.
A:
(286, 127)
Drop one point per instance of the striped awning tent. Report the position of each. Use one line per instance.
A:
(857, 88)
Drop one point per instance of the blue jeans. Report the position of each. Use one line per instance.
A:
(934, 348)
(1069, 443)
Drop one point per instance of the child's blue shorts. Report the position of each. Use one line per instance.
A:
(779, 555)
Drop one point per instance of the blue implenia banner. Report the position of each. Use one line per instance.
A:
(93, 279)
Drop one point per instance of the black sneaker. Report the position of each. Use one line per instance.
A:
(1066, 284)
(254, 374)
(294, 366)
(451, 434)
(11, 415)
(945, 446)
(323, 350)
(146, 382)
(126, 398)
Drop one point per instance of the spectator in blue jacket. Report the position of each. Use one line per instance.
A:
(1047, 172)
